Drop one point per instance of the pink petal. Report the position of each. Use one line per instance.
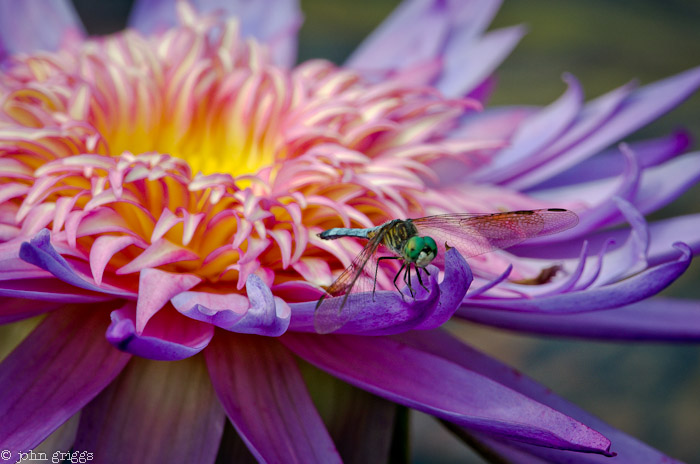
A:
(156, 288)
(159, 253)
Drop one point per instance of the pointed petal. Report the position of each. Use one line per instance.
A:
(53, 373)
(441, 344)
(165, 412)
(168, 336)
(469, 65)
(433, 385)
(637, 109)
(264, 395)
(156, 289)
(18, 25)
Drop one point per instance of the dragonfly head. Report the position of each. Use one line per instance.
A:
(420, 250)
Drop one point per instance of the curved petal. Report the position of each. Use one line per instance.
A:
(628, 291)
(62, 365)
(273, 22)
(18, 25)
(168, 336)
(634, 111)
(152, 403)
(264, 395)
(609, 163)
(657, 319)
(389, 312)
(442, 34)
(259, 313)
(442, 345)
(442, 388)
(40, 252)
(533, 135)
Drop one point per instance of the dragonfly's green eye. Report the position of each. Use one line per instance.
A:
(420, 250)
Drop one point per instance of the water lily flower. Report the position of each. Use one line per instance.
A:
(161, 194)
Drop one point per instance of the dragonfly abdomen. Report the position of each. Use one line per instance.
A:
(338, 232)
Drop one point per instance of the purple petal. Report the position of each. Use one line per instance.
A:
(168, 336)
(637, 109)
(53, 373)
(469, 64)
(656, 319)
(389, 313)
(264, 395)
(444, 389)
(41, 253)
(420, 33)
(610, 163)
(274, 22)
(533, 135)
(447, 348)
(628, 291)
(15, 309)
(260, 313)
(164, 412)
(655, 190)
(29, 25)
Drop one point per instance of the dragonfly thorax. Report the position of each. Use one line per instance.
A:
(420, 250)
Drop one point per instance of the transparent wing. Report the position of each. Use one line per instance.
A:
(332, 310)
(474, 234)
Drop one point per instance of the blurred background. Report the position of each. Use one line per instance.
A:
(651, 391)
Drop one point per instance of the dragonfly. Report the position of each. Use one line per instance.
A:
(418, 242)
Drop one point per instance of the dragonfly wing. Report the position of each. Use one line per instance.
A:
(475, 234)
(339, 306)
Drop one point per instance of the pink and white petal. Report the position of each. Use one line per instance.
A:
(439, 343)
(273, 22)
(429, 383)
(152, 403)
(655, 319)
(61, 366)
(157, 288)
(20, 31)
(264, 395)
(168, 336)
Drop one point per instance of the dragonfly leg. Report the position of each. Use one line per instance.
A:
(407, 279)
(376, 270)
(396, 278)
(420, 281)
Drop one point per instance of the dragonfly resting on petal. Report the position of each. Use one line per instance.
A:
(418, 242)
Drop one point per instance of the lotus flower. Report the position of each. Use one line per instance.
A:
(163, 188)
